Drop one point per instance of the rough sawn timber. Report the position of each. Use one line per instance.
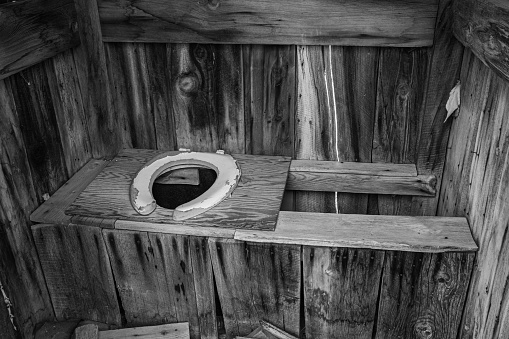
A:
(34, 30)
(366, 22)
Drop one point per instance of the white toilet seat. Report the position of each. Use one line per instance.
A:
(228, 175)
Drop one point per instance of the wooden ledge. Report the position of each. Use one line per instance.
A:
(382, 232)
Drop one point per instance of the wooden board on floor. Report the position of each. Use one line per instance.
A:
(31, 31)
(340, 291)
(365, 22)
(78, 272)
(423, 294)
(401, 233)
(254, 203)
(166, 331)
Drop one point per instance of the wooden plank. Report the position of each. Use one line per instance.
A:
(166, 331)
(443, 74)
(232, 276)
(204, 285)
(269, 94)
(193, 230)
(423, 294)
(53, 210)
(393, 23)
(254, 203)
(340, 291)
(89, 331)
(140, 278)
(21, 276)
(275, 332)
(31, 31)
(207, 97)
(401, 82)
(421, 185)
(483, 27)
(413, 234)
(355, 168)
(78, 273)
(95, 86)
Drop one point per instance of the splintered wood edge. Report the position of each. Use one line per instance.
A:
(381, 232)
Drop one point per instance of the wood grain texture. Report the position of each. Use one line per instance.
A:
(78, 273)
(254, 203)
(444, 68)
(274, 332)
(32, 31)
(20, 271)
(165, 331)
(400, 94)
(6, 327)
(89, 331)
(413, 234)
(393, 23)
(423, 295)
(94, 82)
(194, 230)
(269, 86)
(207, 97)
(356, 168)
(53, 210)
(483, 27)
(340, 291)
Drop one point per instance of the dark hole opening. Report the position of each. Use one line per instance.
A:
(173, 195)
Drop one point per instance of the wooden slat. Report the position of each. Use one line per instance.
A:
(254, 203)
(166, 331)
(413, 234)
(483, 26)
(423, 294)
(31, 31)
(367, 22)
(194, 230)
(77, 272)
(340, 291)
(433, 135)
(53, 210)
(274, 331)
(354, 168)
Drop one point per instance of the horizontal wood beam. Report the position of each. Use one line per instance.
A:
(483, 26)
(401, 23)
(34, 30)
(354, 177)
(382, 232)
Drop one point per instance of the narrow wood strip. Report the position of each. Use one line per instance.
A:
(355, 168)
(52, 211)
(166, 331)
(274, 331)
(313, 22)
(200, 231)
(413, 234)
(422, 185)
(31, 31)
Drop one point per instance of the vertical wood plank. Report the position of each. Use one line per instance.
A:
(140, 277)
(20, 270)
(340, 291)
(207, 97)
(443, 74)
(269, 93)
(204, 285)
(423, 294)
(95, 87)
(400, 94)
(78, 273)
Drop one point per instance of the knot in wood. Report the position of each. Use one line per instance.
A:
(213, 4)
(188, 84)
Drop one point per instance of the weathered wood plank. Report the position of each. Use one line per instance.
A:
(414, 234)
(53, 210)
(354, 168)
(78, 273)
(31, 31)
(95, 86)
(275, 332)
(140, 277)
(194, 230)
(204, 285)
(393, 23)
(269, 94)
(423, 295)
(340, 291)
(165, 331)
(401, 82)
(444, 68)
(483, 27)
(254, 203)
(89, 331)
(20, 271)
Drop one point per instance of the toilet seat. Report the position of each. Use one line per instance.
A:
(228, 175)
